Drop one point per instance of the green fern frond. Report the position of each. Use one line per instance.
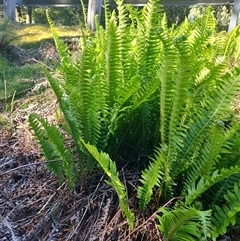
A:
(125, 40)
(202, 31)
(232, 46)
(184, 223)
(46, 146)
(84, 11)
(207, 182)
(110, 169)
(113, 74)
(107, 13)
(207, 23)
(61, 47)
(208, 77)
(52, 144)
(138, 128)
(182, 81)
(83, 99)
(148, 46)
(70, 118)
(215, 195)
(151, 16)
(216, 104)
(208, 154)
(137, 113)
(128, 92)
(227, 214)
(166, 84)
(151, 177)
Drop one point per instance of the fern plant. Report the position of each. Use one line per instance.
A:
(140, 89)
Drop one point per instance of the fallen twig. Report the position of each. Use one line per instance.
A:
(152, 216)
(27, 165)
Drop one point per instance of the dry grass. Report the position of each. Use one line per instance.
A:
(34, 34)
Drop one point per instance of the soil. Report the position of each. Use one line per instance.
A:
(34, 206)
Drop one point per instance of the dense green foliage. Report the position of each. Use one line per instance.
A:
(60, 15)
(8, 34)
(141, 88)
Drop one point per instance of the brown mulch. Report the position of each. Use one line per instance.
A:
(35, 206)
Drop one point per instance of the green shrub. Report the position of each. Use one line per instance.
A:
(67, 16)
(8, 34)
(141, 88)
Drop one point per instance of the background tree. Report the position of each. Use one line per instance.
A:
(9, 9)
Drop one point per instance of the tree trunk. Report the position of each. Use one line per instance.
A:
(9, 9)
(235, 14)
(18, 14)
(94, 8)
(29, 15)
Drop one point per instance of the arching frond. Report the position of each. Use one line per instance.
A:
(52, 144)
(151, 177)
(184, 223)
(226, 214)
(61, 47)
(110, 169)
(207, 156)
(216, 104)
(207, 182)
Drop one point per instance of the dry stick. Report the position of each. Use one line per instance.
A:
(91, 229)
(80, 222)
(166, 204)
(8, 225)
(100, 204)
(105, 216)
(49, 200)
(41, 63)
(4, 164)
(32, 234)
(27, 165)
(114, 217)
(87, 206)
(98, 185)
(157, 230)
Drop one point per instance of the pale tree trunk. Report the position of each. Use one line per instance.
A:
(9, 9)
(29, 15)
(235, 15)
(18, 14)
(94, 8)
